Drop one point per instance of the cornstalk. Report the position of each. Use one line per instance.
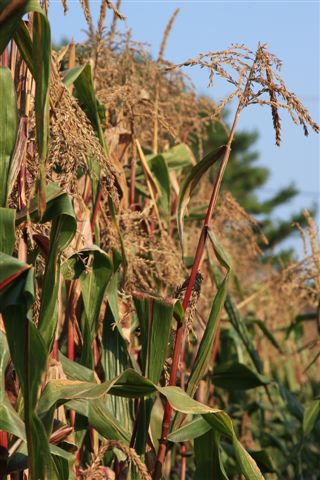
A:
(180, 329)
(198, 256)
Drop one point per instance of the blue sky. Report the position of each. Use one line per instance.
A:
(291, 30)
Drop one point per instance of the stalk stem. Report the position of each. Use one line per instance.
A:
(96, 208)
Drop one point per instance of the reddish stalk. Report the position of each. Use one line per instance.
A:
(132, 184)
(183, 463)
(96, 208)
(55, 350)
(4, 440)
(70, 340)
(5, 58)
(180, 328)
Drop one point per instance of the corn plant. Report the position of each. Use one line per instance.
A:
(124, 349)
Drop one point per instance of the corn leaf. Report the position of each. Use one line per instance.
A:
(264, 461)
(241, 329)
(190, 182)
(269, 336)
(190, 431)
(177, 157)
(311, 416)
(237, 376)
(76, 371)
(9, 419)
(7, 230)
(26, 343)
(94, 269)
(10, 269)
(114, 355)
(206, 345)
(53, 191)
(85, 93)
(131, 384)
(208, 460)
(160, 172)
(40, 62)
(105, 423)
(9, 28)
(155, 319)
(246, 463)
(8, 130)
(60, 212)
(71, 75)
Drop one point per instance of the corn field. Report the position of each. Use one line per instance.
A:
(143, 335)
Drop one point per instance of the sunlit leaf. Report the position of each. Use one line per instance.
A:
(8, 130)
(311, 416)
(190, 182)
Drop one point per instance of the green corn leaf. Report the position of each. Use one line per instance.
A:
(264, 461)
(105, 423)
(114, 353)
(131, 384)
(124, 260)
(94, 269)
(268, 334)
(7, 230)
(100, 418)
(71, 75)
(26, 343)
(24, 42)
(208, 460)
(292, 403)
(41, 61)
(222, 425)
(63, 461)
(206, 345)
(9, 419)
(8, 130)
(85, 93)
(160, 172)
(9, 28)
(60, 212)
(237, 376)
(128, 384)
(190, 431)
(10, 269)
(53, 191)
(245, 462)
(155, 318)
(176, 158)
(239, 325)
(76, 371)
(190, 182)
(39, 48)
(311, 416)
